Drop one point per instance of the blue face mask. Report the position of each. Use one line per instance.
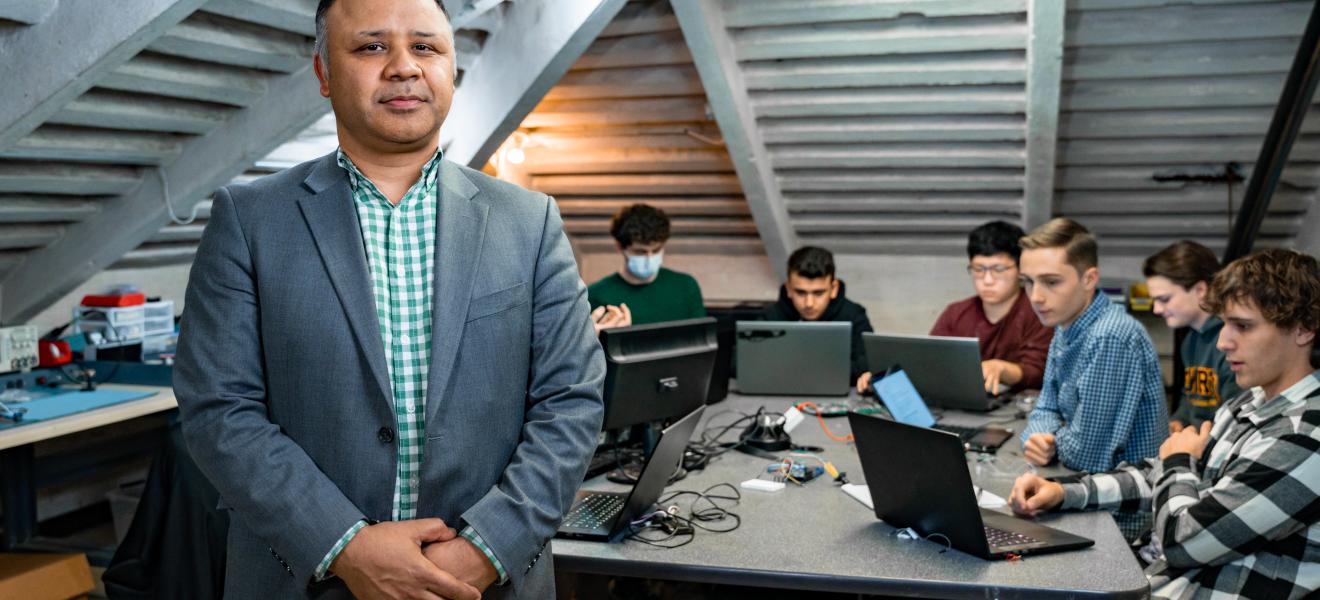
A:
(645, 267)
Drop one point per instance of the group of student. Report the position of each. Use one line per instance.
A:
(1222, 498)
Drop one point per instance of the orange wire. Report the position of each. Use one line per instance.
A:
(823, 426)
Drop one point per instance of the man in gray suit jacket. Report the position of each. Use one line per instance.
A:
(386, 363)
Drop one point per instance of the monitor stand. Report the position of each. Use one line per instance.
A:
(649, 434)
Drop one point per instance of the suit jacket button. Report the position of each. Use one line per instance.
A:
(385, 435)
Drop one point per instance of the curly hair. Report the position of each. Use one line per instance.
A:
(1284, 285)
(640, 224)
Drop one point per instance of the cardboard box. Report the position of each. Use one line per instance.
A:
(45, 576)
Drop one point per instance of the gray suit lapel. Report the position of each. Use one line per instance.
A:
(333, 220)
(460, 234)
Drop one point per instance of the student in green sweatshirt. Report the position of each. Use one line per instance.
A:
(1178, 277)
(643, 291)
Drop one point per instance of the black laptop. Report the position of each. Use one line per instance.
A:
(601, 516)
(918, 478)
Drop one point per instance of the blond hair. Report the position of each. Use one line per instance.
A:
(1079, 244)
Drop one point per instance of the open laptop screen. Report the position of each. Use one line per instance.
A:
(898, 394)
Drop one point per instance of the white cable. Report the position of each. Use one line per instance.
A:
(165, 192)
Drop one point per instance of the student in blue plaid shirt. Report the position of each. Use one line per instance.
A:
(1236, 502)
(1102, 399)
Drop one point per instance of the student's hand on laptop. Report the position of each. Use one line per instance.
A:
(605, 317)
(863, 382)
(1039, 449)
(995, 372)
(1033, 495)
(1191, 440)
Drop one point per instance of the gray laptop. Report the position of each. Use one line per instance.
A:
(795, 358)
(945, 370)
(899, 460)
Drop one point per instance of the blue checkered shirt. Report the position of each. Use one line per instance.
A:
(1102, 396)
(399, 240)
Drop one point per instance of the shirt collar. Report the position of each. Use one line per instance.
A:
(356, 179)
(1263, 408)
(1099, 304)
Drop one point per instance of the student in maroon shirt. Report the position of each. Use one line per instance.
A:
(1013, 342)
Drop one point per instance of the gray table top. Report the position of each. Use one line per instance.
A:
(815, 537)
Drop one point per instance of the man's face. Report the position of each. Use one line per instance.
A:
(811, 296)
(390, 76)
(1259, 351)
(1058, 293)
(1179, 306)
(994, 277)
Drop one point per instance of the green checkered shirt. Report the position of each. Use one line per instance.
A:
(400, 245)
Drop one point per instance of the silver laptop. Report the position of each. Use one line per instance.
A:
(945, 370)
(795, 358)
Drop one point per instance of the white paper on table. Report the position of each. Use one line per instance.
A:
(862, 494)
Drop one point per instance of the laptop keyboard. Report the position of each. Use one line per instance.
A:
(594, 511)
(998, 538)
(963, 433)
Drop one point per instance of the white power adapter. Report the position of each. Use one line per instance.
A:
(761, 485)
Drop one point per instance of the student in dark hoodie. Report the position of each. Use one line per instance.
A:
(812, 293)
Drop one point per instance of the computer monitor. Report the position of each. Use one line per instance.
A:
(726, 318)
(657, 371)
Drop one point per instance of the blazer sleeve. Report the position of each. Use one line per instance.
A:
(563, 418)
(272, 485)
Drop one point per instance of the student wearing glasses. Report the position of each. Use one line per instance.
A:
(1013, 341)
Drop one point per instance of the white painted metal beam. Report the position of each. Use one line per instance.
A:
(712, 50)
(1308, 235)
(205, 163)
(534, 47)
(27, 12)
(1045, 19)
(64, 55)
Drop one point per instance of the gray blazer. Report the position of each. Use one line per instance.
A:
(285, 397)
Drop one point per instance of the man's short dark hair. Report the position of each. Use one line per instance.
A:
(1184, 263)
(811, 262)
(324, 6)
(640, 224)
(995, 237)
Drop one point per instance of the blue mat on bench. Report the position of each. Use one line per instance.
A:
(68, 402)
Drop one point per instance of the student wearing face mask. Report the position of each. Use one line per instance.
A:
(1178, 277)
(643, 291)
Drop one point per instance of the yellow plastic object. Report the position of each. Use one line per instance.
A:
(1139, 298)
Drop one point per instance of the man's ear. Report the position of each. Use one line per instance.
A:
(1091, 278)
(1303, 337)
(322, 74)
(834, 288)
